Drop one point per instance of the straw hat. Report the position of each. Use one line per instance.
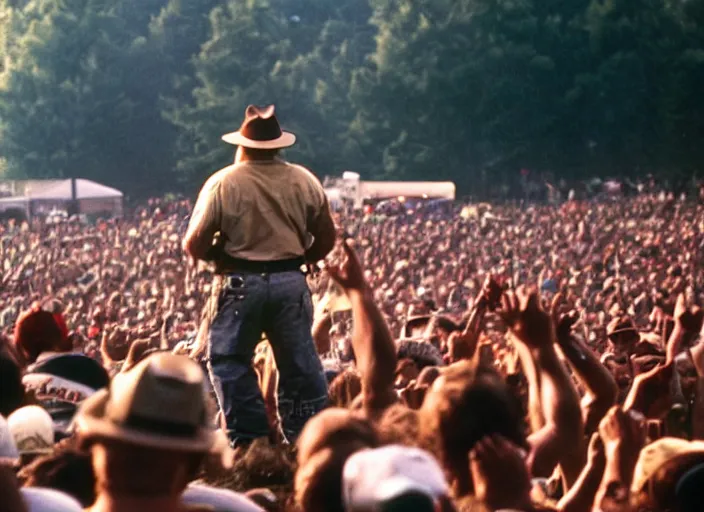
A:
(260, 130)
(666, 453)
(160, 403)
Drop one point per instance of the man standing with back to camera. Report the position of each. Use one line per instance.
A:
(265, 211)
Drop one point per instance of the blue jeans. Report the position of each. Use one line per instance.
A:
(280, 306)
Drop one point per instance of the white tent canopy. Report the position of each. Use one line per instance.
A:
(39, 197)
(85, 189)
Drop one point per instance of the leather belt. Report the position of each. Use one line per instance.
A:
(234, 265)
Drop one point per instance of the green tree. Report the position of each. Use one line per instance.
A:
(455, 88)
(297, 55)
(617, 100)
(76, 100)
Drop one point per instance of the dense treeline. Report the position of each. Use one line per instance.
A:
(136, 93)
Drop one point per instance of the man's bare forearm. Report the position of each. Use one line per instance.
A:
(596, 378)
(530, 370)
(562, 414)
(613, 494)
(374, 349)
(321, 334)
(580, 497)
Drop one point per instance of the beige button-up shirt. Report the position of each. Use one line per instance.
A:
(268, 211)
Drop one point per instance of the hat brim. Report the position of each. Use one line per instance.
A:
(286, 140)
(91, 424)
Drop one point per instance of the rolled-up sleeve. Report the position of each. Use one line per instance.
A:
(321, 225)
(205, 219)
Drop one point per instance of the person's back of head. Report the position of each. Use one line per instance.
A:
(394, 478)
(33, 431)
(38, 331)
(466, 404)
(149, 432)
(318, 485)
(669, 475)
(689, 490)
(345, 388)
(255, 155)
(67, 469)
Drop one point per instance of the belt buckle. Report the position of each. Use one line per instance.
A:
(234, 282)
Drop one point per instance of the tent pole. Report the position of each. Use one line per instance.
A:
(73, 206)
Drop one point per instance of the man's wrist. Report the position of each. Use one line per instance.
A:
(615, 497)
(619, 465)
(361, 292)
(545, 352)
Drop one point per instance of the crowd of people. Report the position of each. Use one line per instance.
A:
(479, 357)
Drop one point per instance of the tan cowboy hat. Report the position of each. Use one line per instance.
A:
(160, 403)
(260, 130)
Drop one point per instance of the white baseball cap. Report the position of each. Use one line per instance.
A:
(375, 476)
(8, 448)
(48, 500)
(220, 500)
(32, 429)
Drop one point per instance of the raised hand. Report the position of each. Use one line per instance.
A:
(348, 271)
(563, 322)
(650, 392)
(595, 452)
(491, 292)
(623, 435)
(689, 319)
(526, 319)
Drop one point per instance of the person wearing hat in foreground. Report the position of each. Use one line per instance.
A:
(269, 218)
(394, 478)
(148, 435)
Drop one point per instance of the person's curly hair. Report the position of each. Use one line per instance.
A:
(399, 425)
(67, 469)
(262, 466)
(468, 403)
(345, 388)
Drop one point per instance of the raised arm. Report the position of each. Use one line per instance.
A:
(601, 389)
(688, 325)
(463, 345)
(561, 439)
(373, 345)
(581, 496)
(623, 436)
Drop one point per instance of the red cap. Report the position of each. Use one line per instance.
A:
(38, 331)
